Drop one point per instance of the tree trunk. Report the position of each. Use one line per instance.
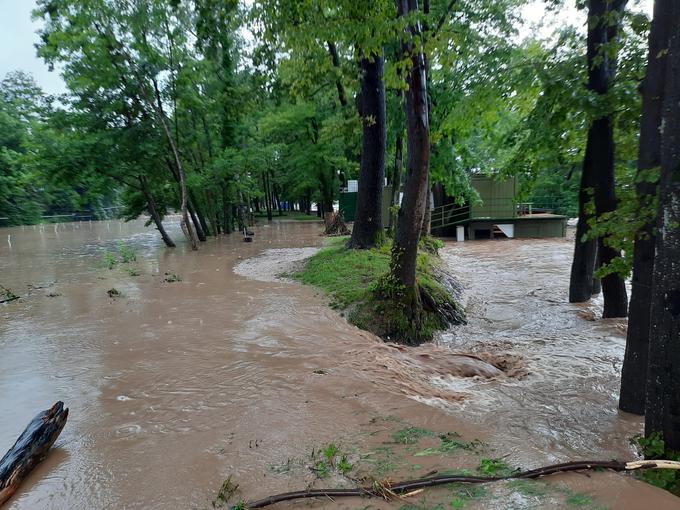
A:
(368, 225)
(663, 379)
(598, 165)
(427, 218)
(585, 248)
(227, 219)
(597, 283)
(396, 179)
(31, 448)
(634, 371)
(267, 196)
(342, 97)
(412, 210)
(197, 224)
(153, 211)
(185, 223)
(600, 77)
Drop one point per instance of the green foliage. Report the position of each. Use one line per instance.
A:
(110, 260)
(494, 467)
(126, 253)
(464, 493)
(654, 447)
(332, 459)
(450, 442)
(6, 295)
(579, 500)
(345, 275)
(411, 435)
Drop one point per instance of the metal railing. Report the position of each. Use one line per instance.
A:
(449, 215)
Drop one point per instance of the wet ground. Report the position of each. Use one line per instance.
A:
(194, 373)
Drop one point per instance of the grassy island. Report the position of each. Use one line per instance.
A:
(357, 283)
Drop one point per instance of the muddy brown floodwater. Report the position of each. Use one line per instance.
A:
(175, 385)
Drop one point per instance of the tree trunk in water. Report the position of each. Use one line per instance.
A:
(368, 225)
(267, 196)
(227, 220)
(197, 224)
(598, 167)
(185, 223)
(412, 210)
(600, 77)
(585, 249)
(597, 283)
(662, 412)
(153, 211)
(634, 371)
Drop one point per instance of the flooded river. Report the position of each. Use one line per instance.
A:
(195, 372)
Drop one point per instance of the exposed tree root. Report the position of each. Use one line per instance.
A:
(335, 224)
(387, 490)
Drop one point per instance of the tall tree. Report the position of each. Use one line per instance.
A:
(634, 370)
(412, 210)
(663, 380)
(368, 225)
(604, 18)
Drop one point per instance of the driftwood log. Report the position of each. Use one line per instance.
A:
(30, 448)
(387, 490)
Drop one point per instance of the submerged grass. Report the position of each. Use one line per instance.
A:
(355, 281)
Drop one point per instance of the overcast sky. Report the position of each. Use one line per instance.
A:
(18, 37)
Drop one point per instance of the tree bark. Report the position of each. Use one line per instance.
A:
(185, 223)
(267, 195)
(367, 231)
(634, 371)
(600, 80)
(198, 228)
(153, 211)
(427, 218)
(585, 248)
(342, 96)
(412, 210)
(598, 165)
(396, 179)
(30, 449)
(663, 379)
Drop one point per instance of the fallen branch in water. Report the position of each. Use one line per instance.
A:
(386, 490)
(30, 448)
(6, 295)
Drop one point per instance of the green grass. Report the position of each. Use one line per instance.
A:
(411, 435)
(299, 216)
(345, 275)
(358, 282)
(304, 217)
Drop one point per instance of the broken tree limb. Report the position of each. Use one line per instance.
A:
(385, 490)
(30, 448)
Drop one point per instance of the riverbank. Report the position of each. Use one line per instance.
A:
(356, 284)
(176, 385)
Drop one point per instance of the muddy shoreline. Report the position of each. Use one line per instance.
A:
(176, 385)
